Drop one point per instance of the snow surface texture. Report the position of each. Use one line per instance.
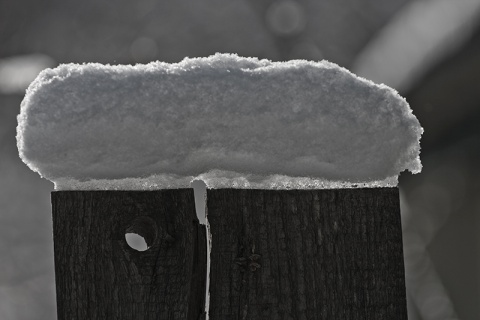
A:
(230, 121)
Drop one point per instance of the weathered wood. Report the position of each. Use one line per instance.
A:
(98, 275)
(306, 254)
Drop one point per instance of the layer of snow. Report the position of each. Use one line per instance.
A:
(228, 120)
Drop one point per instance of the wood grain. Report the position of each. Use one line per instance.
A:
(306, 254)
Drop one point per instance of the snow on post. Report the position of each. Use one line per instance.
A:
(301, 160)
(227, 120)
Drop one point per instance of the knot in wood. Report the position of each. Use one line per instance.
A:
(251, 262)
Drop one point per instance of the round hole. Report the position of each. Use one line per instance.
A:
(136, 241)
(141, 233)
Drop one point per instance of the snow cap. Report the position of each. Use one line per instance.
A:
(227, 120)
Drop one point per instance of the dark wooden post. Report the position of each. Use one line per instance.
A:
(306, 254)
(98, 276)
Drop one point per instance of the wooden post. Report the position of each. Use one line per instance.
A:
(293, 254)
(98, 276)
(306, 254)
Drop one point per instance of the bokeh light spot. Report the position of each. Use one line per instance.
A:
(286, 18)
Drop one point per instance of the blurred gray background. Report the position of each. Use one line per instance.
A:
(429, 50)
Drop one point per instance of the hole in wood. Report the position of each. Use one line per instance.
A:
(141, 233)
(136, 241)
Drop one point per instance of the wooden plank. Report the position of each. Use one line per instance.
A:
(306, 254)
(99, 276)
